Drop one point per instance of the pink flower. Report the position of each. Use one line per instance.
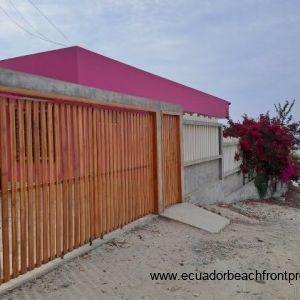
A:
(245, 145)
(244, 169)
(237, 156)
(287, 173)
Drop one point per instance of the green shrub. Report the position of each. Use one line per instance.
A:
(261, 183)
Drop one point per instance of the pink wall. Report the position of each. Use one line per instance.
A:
(82, 66)
(57, 64)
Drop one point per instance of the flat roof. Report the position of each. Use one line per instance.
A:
(81, 66)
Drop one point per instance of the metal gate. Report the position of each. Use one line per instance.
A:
(171, 159)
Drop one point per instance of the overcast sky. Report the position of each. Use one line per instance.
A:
(244, 51)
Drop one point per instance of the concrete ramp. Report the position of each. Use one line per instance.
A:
(195, 216)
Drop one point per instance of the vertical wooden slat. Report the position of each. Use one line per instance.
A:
(102, 169)
(86, 171)
(164, 158)
(130, 177)
(114, 169)
(58, 176)
(116, 165)
(52, 200)
(97, 172)
(76, 177)
(64, 159)
(70, 161)
(170, 158)
(23, 206)
(126, 165)
(165, 151)
(13, 180)
(136, 169)
(37, 168)
(82, 186)
(91, 174)
(147, 129)
(45, 215)
(144, 162)
(128, 151)
(133, 147)
(143, 199)
(122, 170)
(172, 143)
(86, 174)
(132, 181)
(119, 194)
(96, 229)
(138, 166)
(107, 203)
(153, 165)
(109, 169)
(179, 145)
(29, 165)
(4, 189)
(100, 184)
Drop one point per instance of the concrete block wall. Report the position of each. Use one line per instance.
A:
(203, 185)
(232, 182)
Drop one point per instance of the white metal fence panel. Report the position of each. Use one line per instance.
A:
(200, 138)
(230, 148)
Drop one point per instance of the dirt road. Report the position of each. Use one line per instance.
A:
(260, 237)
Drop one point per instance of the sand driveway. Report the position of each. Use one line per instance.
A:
(260, 237)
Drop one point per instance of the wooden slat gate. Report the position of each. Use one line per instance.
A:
(71, 172)
(171, 159)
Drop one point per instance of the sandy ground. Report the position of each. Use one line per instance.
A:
(260, 236)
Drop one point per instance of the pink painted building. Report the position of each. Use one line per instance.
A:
(81, 66)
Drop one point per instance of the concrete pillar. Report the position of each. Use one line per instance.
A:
(221, 160)
(182, 157)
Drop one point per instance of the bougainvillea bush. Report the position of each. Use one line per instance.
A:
(266, 146)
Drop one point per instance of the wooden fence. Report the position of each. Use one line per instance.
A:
(70, 173)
